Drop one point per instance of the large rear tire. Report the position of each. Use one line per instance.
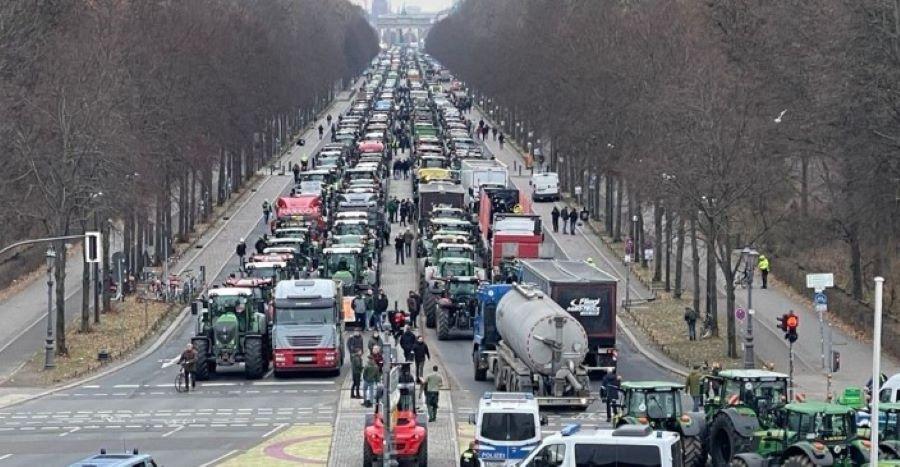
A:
(368, 457)
(443, 323)
(422, 457)
(725, 441)
(692, 451)
(203, 368)
(429, 304)
(254, 367)
(799, 460)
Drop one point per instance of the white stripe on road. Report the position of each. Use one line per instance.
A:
(172, 432)
(215, 385)
(123, 386)
(5, 456)
(292, 383)
(73, 430)
(275, 430)
(220, 458)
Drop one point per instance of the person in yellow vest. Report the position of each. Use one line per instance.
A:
(469, 458)
(763, 266)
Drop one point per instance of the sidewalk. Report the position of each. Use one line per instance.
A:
(769, 345)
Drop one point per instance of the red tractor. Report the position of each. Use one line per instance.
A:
(410, 430)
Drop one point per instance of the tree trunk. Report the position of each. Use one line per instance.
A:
(642, 236)
(804, 185)
(679, 259)
(60, 277)
(128, 239)
(728, 274)
(695, 264)
(668, 276)
(658, 241)
(855, 263)
(712, 303)
(141, 235)
(182, 208)
(192, 202)
(220, 199)
(620, 194)
(608, 211)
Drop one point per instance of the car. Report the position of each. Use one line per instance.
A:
(135, 459)
(627, 445)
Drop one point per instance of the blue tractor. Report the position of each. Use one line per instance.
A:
(486, 335)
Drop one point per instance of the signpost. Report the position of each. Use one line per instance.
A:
(820, 282)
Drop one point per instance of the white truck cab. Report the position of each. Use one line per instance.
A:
(632, 445)
(507, 427)
(545, 186)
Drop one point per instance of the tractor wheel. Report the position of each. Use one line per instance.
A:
(368, 456)
(204, 368)
(254, 367)
(443, 323)
(429, 304)
(422, 457)
(886, 453)
(735, 463)
(692, 451)
(799, 460)
(725, 441)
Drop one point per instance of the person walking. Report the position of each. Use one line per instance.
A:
(392, 210)
(321, 131)
(494, 133)
(261, 244)
(407, 342)
(399, 249)
(404, 211)
(564, 215)
(408, 238)
(469, 457)
(554, 215)
(374, 341)
(432, 392)
(356, 368)
(296, 170)
(413, 304)
(610, 384)
(421, 353)
(241, 251)
(573, 220)
(690, 317)
(763, 265)
(371, 375)
(381, 306)
(359, 310)
(693, 386)
(355, 343)
(267, 210)
(501, 139)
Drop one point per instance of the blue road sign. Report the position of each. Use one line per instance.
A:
(820, 298)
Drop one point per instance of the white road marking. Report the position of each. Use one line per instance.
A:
(215, 385)
(123, 386)
(274, 430)
(5, 456)
(73, 430)
(91, 386)
(292, 383)
(172, 432)
(220, 458)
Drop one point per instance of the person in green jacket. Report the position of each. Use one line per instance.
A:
(392, 206)
(693, 386)
(371, 375)
(432, 392)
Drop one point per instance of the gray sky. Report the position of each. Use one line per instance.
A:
(426, 5)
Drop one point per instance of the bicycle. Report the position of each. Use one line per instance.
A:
(182, 380)
(743, 278)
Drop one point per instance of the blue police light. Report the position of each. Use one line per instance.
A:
(570, 430)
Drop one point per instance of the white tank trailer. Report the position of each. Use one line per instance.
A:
(541, 350)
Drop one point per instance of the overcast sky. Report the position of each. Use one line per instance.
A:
(426, 5)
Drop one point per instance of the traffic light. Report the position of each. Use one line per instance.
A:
(791, 322)
(835, 361)
(92, 247)
(782, 322)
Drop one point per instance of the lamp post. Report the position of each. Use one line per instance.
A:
(749, 255)
(48, 346)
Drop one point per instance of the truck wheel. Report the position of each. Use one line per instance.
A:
(254, 367)
(202, 369)
(692, 450)
(725, 441)
(443, 324)
(799, 460)
(368, 457)
(423, 453)
(480, 373)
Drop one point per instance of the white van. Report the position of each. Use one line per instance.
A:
(632, 445)
(545, 186)
(890, 390)
(507, 427)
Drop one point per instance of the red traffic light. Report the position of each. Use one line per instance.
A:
(792, 321)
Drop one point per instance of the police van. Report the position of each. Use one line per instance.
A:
(133, 459)
(631, 445)
(507, 427)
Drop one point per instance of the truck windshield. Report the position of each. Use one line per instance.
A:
(508, 426)
(295, 316)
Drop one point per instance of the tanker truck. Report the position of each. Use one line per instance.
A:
(530, 344)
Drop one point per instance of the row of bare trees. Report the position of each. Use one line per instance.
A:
(677, 107)
(146, 114)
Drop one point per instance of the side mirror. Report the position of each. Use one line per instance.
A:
(195, 307)
(471, 419)
(544, 420)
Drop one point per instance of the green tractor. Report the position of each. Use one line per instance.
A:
(434, 280)
(658, 404)
(806, 434)
(738, 404)
(231, 330)
(456, 310)
(888, 433)
(345, 263)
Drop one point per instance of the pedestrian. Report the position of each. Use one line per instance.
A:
(407, 342)
(359, 310)
(494, 133)
(693, 386)
(188, 360)
(398, 322)
(413, 305)
(381, 306)
(371, 376)
(564, 215)
(763, 266)
(407, 164)
(355, 343)
(404, 211)
(261, 244)
(501, 139)
(321, 131)
(584, 215)
(421, 353)
(296, 170)
(374, 341)
(392, 209)
(573, 219)
(356, 368)
(610, 384)
(690, 317)
(432, 392)
(408, 238)
(267, 210)
(241, 251)
(399, 249)
(469, 457)
(554, 215)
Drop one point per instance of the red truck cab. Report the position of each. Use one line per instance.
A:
(508, 226)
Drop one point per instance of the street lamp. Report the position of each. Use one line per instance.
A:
(750, 256)
(48, 347)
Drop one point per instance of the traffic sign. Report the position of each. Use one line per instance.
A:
(819, 282)
(740, 313)
(821, 301)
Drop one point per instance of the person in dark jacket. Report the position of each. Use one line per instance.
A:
(407, 343)
(412, 304)
(573, 219)
(261, 244)
(374, 340)
(554, 215)
(469, 457)
(241, 251)
(399, 250)
(356, 367)
(381, 306)
(355, 343)
(564, 215)
(420, 352)
(610, 384)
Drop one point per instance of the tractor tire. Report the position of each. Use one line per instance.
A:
(692, 451)
(254, 360)
(725, 442)
(368, 456)
(443, 324)
(205, 368)
(887, 453)
(429, 304)
(738, 463)
(799, 460)
(422, 456)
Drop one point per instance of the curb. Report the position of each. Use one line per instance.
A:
(647, 353)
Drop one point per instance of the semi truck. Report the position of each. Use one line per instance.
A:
(307, 329)
(507, 225)
(530, 344)
(475, 173)
(589, 295)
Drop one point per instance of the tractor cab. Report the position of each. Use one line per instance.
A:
(358, 227)
(261, 289)
(344, 264)
(230, 331)
(450, 250)
(274, 270)
(409, 428)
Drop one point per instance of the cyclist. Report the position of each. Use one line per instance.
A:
(188, 362)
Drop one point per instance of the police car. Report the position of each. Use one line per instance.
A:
(632, 445)
(507, 427)
(134, 459)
